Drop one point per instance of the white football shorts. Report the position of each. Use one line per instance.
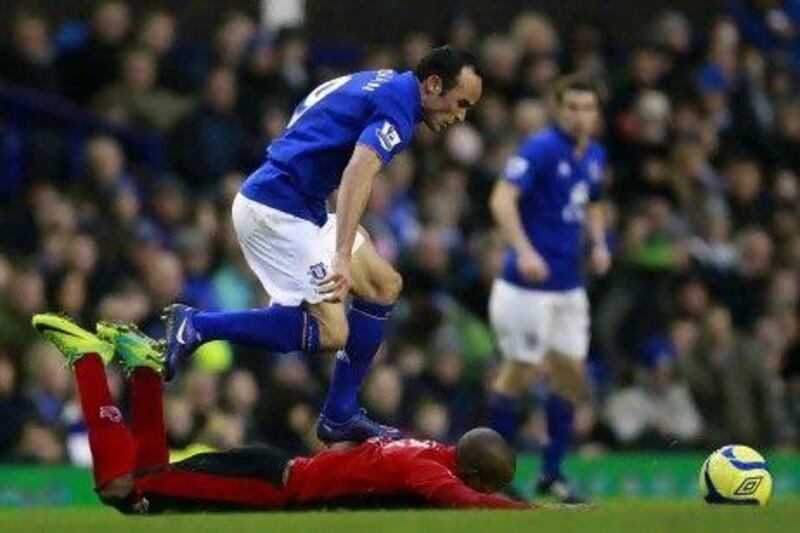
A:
(288, 254)
(529, 323)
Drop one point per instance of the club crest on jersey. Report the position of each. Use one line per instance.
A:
(110, 412)
(388, 136)
(318, 271)
(516, 167)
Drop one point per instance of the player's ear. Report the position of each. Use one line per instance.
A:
(434, 84)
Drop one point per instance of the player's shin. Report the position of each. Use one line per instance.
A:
(367, 326)
(111, 445)
(147, 418)
(278, 328)
(513, 379)
(560, 421)
(503, 415)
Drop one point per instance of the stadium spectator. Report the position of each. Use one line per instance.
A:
(180, 65)
(136, 96)
(210, 141)
(772, 25)
(107, 179)
(24, 294)
(658, 411)
(29, 60)
(15, 407)
(241, 394)
(39, 444)
(50, 389)
(729, 379)
(295, 73)
(232, 38)
(383, 394)
(96, 62)
(195, 254)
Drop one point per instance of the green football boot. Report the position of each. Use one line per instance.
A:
(134, 348)
(72, 340)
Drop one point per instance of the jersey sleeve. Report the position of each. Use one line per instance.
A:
(437, 485)
(386, 136)
(520, 169)
(391, 127)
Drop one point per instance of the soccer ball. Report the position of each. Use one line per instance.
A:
(735, 474)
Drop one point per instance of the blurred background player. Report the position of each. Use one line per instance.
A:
(132, 472)
(339, 137)
(538, 307)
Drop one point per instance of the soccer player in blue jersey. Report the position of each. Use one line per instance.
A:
(308, 260)
(538, 307)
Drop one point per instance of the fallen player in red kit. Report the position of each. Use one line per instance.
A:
(132, 472)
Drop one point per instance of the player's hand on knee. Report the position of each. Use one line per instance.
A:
(334, 287)
(532, 267)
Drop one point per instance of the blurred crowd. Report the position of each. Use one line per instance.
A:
(695, 330)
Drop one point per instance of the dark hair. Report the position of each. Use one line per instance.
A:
(445, 62)
(577, 82)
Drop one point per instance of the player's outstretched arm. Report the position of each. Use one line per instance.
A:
(351, 201)
(505, 209)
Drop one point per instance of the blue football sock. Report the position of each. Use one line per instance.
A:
(503, 415)
(367, 323)
(278, 328)
(560, 419)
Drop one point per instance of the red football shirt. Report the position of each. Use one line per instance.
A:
(407, 467)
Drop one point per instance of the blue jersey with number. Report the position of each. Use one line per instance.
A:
(555, 187)
(304, 165)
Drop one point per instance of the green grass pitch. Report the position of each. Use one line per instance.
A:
(647, 516)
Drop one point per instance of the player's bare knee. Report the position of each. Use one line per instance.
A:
(389, 288)
(395, 286)
(568, 381)
(571, 392)
(514, 377)
(116, 489)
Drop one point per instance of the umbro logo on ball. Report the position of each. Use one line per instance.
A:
(749, 486)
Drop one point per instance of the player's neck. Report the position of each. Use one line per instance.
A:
(579, 144)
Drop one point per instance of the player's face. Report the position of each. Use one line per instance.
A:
(440, 111)
(578, 113)
(482, 483)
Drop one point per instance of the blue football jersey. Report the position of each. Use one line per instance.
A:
(555, 187)
(377, 108)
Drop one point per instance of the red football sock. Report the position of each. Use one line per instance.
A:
(111, 444)
(147, 424)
